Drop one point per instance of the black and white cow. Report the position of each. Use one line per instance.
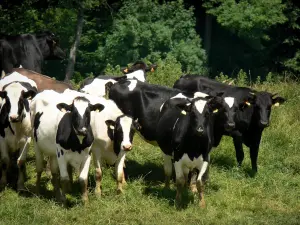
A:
(185, 133)
(15, 125)
(100, 85)
(63, 132)
(250, 119)
(28, 50)
(66, 132)
(143, 101)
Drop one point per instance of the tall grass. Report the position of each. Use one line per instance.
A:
(232, 195)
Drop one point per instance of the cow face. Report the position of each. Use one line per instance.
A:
(51, 49)
(139, 65)
(121, 132)
(263, 105)
(80, 111)
(15, 103)
(201, 110)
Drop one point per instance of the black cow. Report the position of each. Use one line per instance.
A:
(143, 101)
(100, 85)
(249, 121)
(185, 132)
(28, 50)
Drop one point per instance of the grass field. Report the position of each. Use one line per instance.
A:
(232, 195)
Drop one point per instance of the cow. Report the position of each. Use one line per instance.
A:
(143, 101)
(250, 120)
(15, 125)
(64, 130)
(44, 82)
(185, 133)
(28, 50)
(100, 85)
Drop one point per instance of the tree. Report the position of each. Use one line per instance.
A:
(147, 29)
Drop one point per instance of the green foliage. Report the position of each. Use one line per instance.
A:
(111, 70)
(168, 71)
(247, 17)
(241, 79)
(147, 29)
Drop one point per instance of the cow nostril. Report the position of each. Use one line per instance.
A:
(200, 130)
(127, 147)
(231, 124)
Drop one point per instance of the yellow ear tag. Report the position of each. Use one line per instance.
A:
(276, 104)
(247, 103)
(126, 70)
(183, 112)
(97, 110)
(215, 111)
(152, 69)
(63, 110)
(111, 127)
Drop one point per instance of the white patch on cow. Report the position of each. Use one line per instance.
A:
(120, 164)
(85, 168)
(81, 106)
(80, 138)
(139, 74)
(132, 85)
(200, 94)
(180, 95)
(168, 165)
(20, 66)
(15, 76)
(200, 104)
(202, 170)
(97, 87)
(14, 93)
(229, 101)
(125, 123)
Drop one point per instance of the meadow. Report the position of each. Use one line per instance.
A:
(233, 195)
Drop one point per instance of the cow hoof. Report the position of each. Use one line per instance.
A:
(120, 191)
(85, 200)
(193, 188)
(98, 193)
(202, 204)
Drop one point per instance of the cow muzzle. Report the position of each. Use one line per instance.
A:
(14, 118)
(200, 131)
(230, 126)
(127, 147)
(82, 131)
(264, 123)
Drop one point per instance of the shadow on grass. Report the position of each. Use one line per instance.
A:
(223, 161)
(150, 172)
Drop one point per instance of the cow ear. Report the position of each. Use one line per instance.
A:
(278, 100)
(215, 104)
(248, 101)
(97, 107)
(64, 107)
(29, 94)
(137, 125)
(3, 94)
(125, 70)
(110, 124)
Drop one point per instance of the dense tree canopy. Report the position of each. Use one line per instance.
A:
(257, 36)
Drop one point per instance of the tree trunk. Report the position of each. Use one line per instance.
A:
(207, 37)
(72, 57)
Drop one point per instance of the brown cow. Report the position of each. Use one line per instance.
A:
(44, 82)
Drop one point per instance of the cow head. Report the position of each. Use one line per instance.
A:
(263, 106)
(49, 45)
(201, 111)
(80, 110)
(151, 68)
(15, 103)
(121, 132)
(139, 65)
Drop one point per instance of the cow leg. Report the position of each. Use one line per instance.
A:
(168, 169)
(55, 180)
(200, 183)
(193, 181)
(98, 172)
(238, 145)
(83, 177)
(39, 163)
(23, 152)
(180, 181)
(5, 163)
(119, 167)
(70, 173)
(21, 177)
(254, 155)
(62, 165)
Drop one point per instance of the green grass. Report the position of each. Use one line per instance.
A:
(232, 195)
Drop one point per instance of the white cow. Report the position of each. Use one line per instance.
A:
(15, 125)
